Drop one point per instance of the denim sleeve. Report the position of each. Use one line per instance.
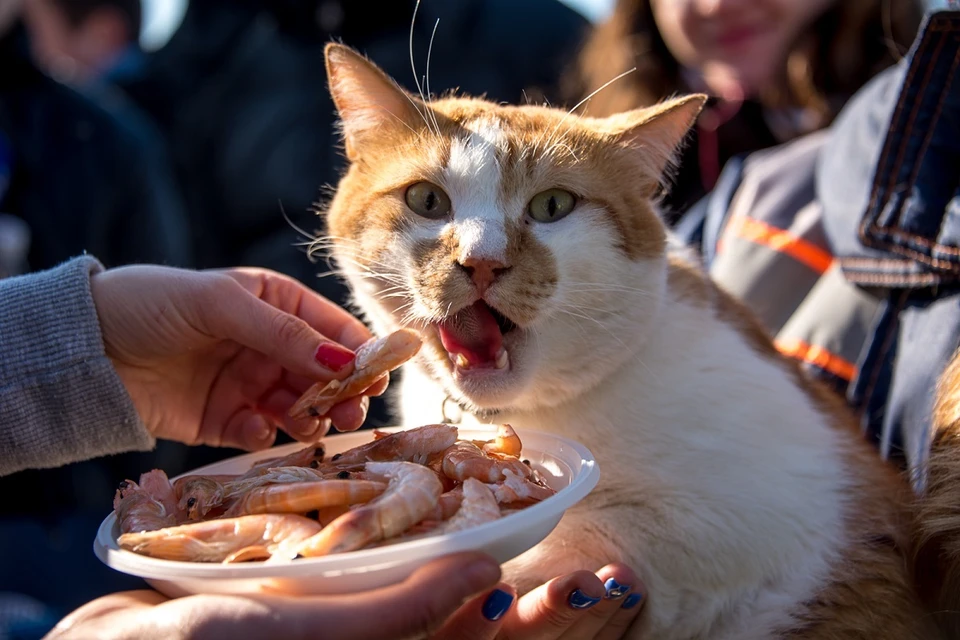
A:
(889, 182)
(61, 400)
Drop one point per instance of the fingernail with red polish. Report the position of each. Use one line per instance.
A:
(333, 356)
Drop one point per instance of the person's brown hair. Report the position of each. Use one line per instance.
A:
(849, 43)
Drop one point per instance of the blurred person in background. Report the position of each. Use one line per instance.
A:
(81, 41)
(775, 69)
(846, 245)
(79, 177)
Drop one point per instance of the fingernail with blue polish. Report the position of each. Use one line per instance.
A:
(615, 589)
(580, 600)
(632, 600)
(497, 604)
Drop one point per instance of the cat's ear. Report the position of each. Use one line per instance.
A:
(370, 103)
(656, 132)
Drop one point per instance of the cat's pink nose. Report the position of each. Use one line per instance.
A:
(483, 272)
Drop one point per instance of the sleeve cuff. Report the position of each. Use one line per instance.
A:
(61, 400)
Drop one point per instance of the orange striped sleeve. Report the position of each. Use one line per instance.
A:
(780, 241)
(817, 356)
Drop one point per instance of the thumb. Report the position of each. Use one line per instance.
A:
(240, 316)
(420, 604)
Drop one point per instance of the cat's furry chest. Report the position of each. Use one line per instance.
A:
(720, 479)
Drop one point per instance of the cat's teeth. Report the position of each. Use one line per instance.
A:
(462, 361)
(503, 359)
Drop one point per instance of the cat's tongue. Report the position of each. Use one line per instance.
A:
(473, 339)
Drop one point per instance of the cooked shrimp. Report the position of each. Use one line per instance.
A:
(147, 506)
(466, 460)
(479, 505)
(518, 489)
(198, 495)
(412, 492)
(412, 445)
(217, 540)
(270, 476)
(201, 494)
(507, 442)
(447, 505)
(328, 514)
(310, 456)
(374, 359)
(306, 496)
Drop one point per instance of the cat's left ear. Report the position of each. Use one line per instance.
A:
(656, 132)
(370, 103)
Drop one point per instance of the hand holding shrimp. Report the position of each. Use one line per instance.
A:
(220, 357)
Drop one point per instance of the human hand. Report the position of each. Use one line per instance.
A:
(609, 602)
(411, 609)
(218, 357)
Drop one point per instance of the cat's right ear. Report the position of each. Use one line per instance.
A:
(370, 103)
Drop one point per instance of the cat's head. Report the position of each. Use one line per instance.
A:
(522, 241)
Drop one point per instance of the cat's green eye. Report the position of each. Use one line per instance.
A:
(551, 205)
(428, 200)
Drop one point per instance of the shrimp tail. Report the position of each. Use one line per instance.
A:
(353, 531)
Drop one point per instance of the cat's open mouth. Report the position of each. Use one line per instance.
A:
(473, 337)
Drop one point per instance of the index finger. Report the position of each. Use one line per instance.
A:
(288, 294)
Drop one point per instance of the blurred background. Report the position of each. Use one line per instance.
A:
(200, 134)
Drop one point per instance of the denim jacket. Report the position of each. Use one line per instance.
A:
(889, 182)
(885, 187)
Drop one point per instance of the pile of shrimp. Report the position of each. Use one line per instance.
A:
(398, 487)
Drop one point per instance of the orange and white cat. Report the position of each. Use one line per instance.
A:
(524, 244)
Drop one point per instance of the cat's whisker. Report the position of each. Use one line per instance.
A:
(433, 114)
(589, 97)
(416, 81)
(293, 226)
(580, 286)
(567, 147)
(573, 311)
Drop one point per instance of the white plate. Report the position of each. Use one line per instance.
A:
(567, 467)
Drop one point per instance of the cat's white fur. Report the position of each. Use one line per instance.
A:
(644, 376)
(473, 179)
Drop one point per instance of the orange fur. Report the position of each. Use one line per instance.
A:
(937, 529)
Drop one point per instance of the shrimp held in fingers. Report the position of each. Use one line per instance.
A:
(217, 540)
(412, 493)
(301, 497)
(374, 359)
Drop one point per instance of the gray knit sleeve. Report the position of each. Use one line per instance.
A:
(61, 400)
